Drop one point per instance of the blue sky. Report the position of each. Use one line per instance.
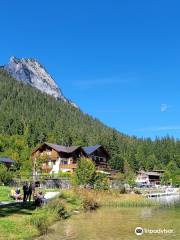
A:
(118, 60)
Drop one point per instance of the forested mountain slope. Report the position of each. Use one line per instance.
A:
(29, 117)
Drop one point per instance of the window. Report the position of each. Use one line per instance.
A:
(103, 159)
(64, 161)
(98, 159)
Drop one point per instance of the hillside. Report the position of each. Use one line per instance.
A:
(29, 117)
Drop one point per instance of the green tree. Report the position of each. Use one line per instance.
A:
(166, 178)
(129, 174)
(151, 162)
(6, 175)
(117, 162)
(85, 172)
(171, 174)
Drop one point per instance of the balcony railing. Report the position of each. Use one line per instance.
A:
(68, 166)
(47, 168)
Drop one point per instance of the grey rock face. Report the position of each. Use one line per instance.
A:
(33, 73)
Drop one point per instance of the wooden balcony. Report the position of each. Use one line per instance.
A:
(46, 168)
(68, 166)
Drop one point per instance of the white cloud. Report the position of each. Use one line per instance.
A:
(164, 107)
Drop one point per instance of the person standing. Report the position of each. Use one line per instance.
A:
(25, 192)
(30, 189)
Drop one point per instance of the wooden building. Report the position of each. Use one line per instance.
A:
(57, 158)
(149, 178)
(99, 155)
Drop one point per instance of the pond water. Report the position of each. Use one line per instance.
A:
(119, 224)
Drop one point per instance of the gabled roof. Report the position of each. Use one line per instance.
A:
(91, 149)
(6, 160)
(152, 173)
(59, 148)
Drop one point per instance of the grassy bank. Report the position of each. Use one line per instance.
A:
(24, 221)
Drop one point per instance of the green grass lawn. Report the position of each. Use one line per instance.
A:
(4, 193)
(14, 218)
(14, 222)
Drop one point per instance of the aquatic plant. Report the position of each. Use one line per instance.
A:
(115, 199)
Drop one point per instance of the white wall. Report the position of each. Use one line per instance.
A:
(142, 178)
(55, 166)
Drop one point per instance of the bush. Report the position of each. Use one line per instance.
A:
(88, 199)
(64, 174)
(44, 217)
(57, 207)
(136, 191)
(122, 190)
(6, 175)
(41, 220)
(101, 182)
(90, 204)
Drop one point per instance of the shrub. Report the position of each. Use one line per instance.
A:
(101, 181)
(136, 191)
(57, 207)
(6, 175)
(122, 190)
(44, 217)
(90, 204)
(64, 174)
(41, 220)
(88, 199)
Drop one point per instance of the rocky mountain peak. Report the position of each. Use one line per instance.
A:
(31, 72)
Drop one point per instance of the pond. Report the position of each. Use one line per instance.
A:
(120, 224)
